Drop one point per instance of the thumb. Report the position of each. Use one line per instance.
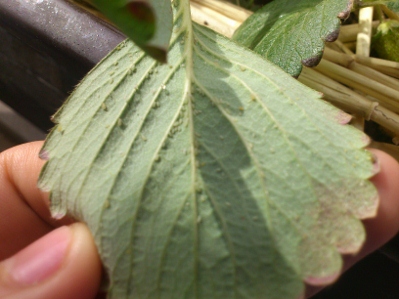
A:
(63, 264)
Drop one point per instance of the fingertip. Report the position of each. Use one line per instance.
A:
(63, 264)
(83, 264)
(24, 209)
(80, 277)
(385, 225)
(21, 167)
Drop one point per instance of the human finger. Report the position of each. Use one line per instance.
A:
(63, 264)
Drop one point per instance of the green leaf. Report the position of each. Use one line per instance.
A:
(147, 22)
(214, 176)
(385, 42)
(394, 6)
(291, 33)
(391, 4)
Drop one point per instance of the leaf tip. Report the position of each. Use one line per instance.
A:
(343, 15)
(366, 140)
(343, 118)
(351, 248)
(332, 36)
(322, 280)
(370, 211)
(44, 154)
(57, 210)
(312, 61)
(376, 163)
(54, 117)
(58, 216)
(302, 296)
(43, 186)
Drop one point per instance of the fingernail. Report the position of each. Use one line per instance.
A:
(41, 259)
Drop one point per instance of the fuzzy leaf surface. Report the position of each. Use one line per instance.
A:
(214, 176)
(385, 42)
(291, 33)
(393, 5)
(147, 22)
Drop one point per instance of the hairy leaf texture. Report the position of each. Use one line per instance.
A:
(216, 175)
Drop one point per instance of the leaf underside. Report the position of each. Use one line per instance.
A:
(292, 33)
(216, 175)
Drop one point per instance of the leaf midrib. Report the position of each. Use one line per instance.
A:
(187, 28)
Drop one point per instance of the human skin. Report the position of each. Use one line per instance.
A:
(71, 265)
(25, 218)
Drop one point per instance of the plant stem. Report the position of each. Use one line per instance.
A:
(227, 9)
(387, 67)
(390, 13)
(349, 62)
(364, 35)
(351, 46)
(349, 100)
(363, 38)
(342, 47)
(379, 13)
(213, 19)
(348, 33)
(383, 93)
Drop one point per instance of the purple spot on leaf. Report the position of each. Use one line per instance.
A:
(58, 216)
(312, 61)
(321, 281)
(44, 155)
(343, 15)
(332, 36)
(343, 118)
(141, 11)
(376, 163)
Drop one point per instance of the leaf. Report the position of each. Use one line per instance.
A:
(392, 5)
(385, 42)
(147, 22)
(215, 176)
(291, 33)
